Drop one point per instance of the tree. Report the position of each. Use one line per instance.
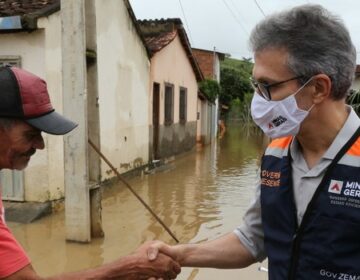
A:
(210, 88)
(235, 83)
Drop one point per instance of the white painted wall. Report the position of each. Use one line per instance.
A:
(198, 122)
(216, 107)
(41, 54)
(356, 84)
(171, 65)
(123, 81)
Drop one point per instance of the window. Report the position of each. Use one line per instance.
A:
(183, 105)
(10, 60)
(169, 104)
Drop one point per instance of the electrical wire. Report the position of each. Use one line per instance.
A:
(186, 22)
(236, 8)
(235, 17)
(261, 10)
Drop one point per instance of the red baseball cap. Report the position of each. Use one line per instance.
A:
(24, 96)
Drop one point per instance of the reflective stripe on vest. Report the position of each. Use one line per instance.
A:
(330, 236)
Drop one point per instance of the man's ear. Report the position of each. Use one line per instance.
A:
(322, 90)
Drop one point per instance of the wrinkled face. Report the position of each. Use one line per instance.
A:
(17, 144)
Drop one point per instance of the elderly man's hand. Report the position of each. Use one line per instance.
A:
(157, 248)
(161, 267)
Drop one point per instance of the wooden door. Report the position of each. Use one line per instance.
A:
(156, 120)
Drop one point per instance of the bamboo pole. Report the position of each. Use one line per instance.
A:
(132, 190)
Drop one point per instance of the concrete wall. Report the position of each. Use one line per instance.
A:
(171, 65)
(356, 83)
(123, 83)
(40, 53)
(215, 115)
(198, 121)
(209, 63)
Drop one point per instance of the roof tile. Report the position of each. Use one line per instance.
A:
(156, 43)
(23, 7)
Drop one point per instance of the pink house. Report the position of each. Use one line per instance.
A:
(174, 74)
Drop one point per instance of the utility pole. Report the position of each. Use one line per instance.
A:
(77, 201)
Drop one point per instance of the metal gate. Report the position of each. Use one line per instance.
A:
(12, 184)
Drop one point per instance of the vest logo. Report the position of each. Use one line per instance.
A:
(277, 122)
(336, 186)
(338, 275)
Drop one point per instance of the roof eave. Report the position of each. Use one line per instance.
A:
(135, 21)
(185, 41)
(29, 21)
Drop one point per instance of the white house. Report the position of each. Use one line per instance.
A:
(118, 70)
(209, 63)
(173, 99)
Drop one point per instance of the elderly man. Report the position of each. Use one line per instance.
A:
(25, 112)
(306, 214)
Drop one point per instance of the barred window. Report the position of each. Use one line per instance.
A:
(10, 60)
(183, 105)
(169, 104)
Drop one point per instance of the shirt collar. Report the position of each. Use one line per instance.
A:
(350, 126)
(345, 133)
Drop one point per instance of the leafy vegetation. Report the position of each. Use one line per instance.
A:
(354, 100)
(240, 109)
(210, 88)
(236, 90)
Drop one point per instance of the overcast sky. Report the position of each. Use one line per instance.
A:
(226, 24)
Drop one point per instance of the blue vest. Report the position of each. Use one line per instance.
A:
(326, 245)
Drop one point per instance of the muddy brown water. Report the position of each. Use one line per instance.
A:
(200, 196)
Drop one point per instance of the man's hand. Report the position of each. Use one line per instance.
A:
(136, 266)
(156, 247)
(161, 266)
(224, 252)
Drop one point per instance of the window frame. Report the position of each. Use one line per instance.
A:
(12, 60)
(183, 119)
(168, 121)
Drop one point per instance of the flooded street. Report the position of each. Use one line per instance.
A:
(200, 196)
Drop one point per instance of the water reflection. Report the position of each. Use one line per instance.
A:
(200, 197)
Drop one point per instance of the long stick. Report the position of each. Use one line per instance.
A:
(131, 189)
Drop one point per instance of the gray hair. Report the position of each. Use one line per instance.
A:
(317, 42)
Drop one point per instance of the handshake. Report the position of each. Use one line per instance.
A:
(154, 260)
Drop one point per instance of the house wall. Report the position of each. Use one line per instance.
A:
(171, 65)
(209, 63)
(356, 83)
(205, 60)
(198, 121)
(123, 84)
(217, 68)
(205, 122)
(40, 53)
(215, 110)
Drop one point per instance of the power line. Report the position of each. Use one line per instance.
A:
(235, 17)
(186, 22)
(237, 10)
(261, 10)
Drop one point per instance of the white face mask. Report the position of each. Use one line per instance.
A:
(278, 118)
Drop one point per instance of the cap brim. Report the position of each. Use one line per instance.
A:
(52, 123)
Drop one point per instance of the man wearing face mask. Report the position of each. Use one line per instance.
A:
(305, 217)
